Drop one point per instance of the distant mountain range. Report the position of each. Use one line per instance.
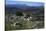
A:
(22, 8)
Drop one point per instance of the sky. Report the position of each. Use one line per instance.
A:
(27, 2)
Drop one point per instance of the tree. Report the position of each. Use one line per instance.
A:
(27, 15)
(19, 13)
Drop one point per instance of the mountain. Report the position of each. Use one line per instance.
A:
(20, 6)
(23, 8)
(17, 7)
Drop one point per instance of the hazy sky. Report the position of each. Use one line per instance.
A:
(27, 2)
